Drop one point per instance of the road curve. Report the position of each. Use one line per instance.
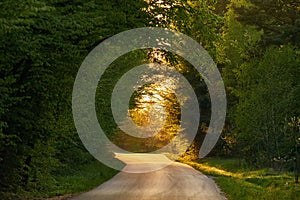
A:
(174, 182)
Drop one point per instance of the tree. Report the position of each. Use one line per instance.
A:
(42, 45)
(280, 20)
(267, 102)
(201, 21)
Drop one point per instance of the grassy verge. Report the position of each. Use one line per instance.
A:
(74, 181)
(239, 181)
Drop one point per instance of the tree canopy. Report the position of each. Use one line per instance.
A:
(254, 43)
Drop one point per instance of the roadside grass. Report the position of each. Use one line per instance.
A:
(242, 182)
(74, 181)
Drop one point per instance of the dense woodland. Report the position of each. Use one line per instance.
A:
(43, 43)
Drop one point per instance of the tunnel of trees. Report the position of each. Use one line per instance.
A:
(255, 45)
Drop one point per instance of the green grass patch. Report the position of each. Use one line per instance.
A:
(241, 181)
(74, 181)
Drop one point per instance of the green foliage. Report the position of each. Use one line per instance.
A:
(280, 20)
(107, 83)
(81, 178)
(267, 102)
(239, 180)
(42, 45)
(262, 80)
(202, 21)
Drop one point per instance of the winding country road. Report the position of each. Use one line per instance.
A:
(175, 182)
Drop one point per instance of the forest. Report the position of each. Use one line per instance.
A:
(254, 43)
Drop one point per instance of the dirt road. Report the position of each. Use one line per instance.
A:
(175, 182)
